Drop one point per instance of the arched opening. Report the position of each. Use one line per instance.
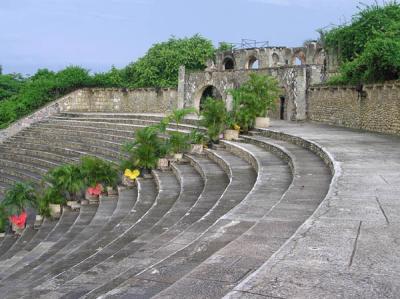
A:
(253, 63)
(282, 108)
(275, 59)
(209, 91)
(299, 58)
(229, 64)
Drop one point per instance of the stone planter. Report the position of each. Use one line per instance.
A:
(231, 135)
(178, 156)
(196, 148)
(163, 164)
(93, 199)
(55, 210)
(2, 235)
(112, 192)
(38, 221)
(146, 173)
(84, 202)
(128, 182)
(74, 205)
(16, 229)
(262, 122)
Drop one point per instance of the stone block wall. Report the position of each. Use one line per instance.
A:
(121, 100)
(378, 110)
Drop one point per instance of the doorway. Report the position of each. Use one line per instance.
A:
(282, 108)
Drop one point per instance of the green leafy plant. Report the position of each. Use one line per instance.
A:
(255, 98)
(213, 118)
(18, 197)
(47, 196)
(3, 218)
(145, 151)
(66, 180)
(97, 171)
(179, 142)
(178, 115)
(197, 137)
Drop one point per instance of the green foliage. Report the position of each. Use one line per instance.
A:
(10, 85)
(224, 47)
(254, 99)
(196, 137)
(213, 118)
(19, 197)
(179, 142)
(178, 115)
(160, 66)
(368, 47)
(66, 179)
(46, 197)
(145, 151)
(3, 218)
(97, 171)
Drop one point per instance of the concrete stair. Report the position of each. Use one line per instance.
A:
(197, 231)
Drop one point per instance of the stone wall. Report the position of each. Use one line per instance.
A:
(294, 81)
(121, 100)
(378, 109)
(100, 100)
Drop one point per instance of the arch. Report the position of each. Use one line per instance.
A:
(204, 93)
(299, 58)
(228, 63)
(253, 63)
(275, 59)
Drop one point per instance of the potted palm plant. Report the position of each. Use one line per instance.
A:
(145, 151)
(67, 181)
(49, 203)
(253, 100)
(98, 173)
(232, 131)
(17, 198)
(213, 118)
(197, 139)
(179, 143)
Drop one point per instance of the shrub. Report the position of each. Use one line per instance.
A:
(48, 196)
(67, 180)
(255, 98)
(3, 218)
(19, 197)
(213, 118)
(97, 171)
(179, 142)
(196, 137)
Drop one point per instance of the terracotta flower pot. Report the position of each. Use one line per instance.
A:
(55, 210)
(262, 122)
(231, 135)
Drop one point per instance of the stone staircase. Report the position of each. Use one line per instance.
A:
(195, 231)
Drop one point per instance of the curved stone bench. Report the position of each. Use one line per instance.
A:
(195, 243)
(147, 194)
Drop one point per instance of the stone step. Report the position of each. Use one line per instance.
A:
(23, 166)
(27, 159)
(34, 154)
(275, 204)
(11, 175)
(147, 193)
(169, 189)
(25, 238)
(7, 243)
(57, 136)
(123, 120)
(72, 147)
(76, 134)
(191, 188)
(62, 226)
(185, 250)
(312, 178)
(145, 116)
(111, 125)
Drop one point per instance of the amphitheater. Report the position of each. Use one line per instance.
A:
(309, 208)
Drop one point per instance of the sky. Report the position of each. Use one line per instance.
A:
(97, 34)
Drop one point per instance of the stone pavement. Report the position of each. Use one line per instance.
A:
(350, 247)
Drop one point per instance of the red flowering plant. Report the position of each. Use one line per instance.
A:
(98, 174)
(17, 198)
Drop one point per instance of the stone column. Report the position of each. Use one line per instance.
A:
(181, 87)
